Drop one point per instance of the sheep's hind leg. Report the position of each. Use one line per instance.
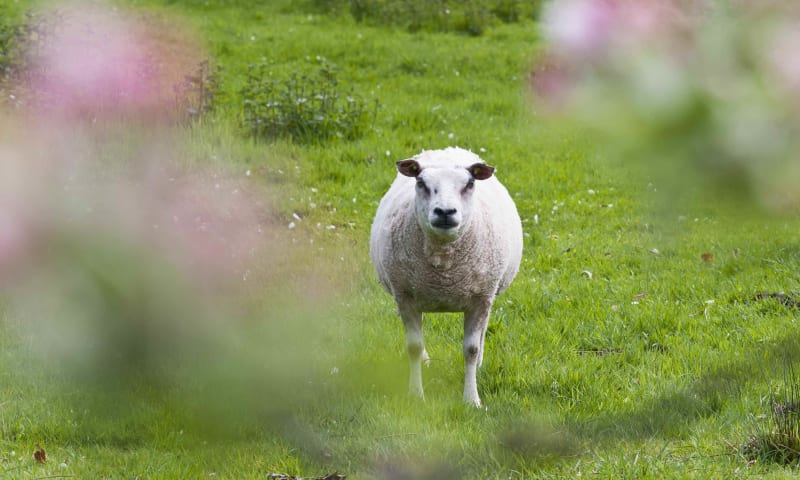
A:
(412, 321)
(475, 321)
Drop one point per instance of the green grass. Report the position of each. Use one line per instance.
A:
(657, 365)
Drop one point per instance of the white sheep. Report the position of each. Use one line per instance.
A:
(446, 238)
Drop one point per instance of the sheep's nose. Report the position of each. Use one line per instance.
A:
(444, 212)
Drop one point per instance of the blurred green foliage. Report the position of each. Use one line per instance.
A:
(703, 97)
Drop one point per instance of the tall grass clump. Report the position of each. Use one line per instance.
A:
(472, 17)
(307, 108)
(21, 34)
(10, 35)
(196, 93)
(781, 443)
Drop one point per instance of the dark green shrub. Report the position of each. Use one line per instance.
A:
(306, 108)
(510, 11)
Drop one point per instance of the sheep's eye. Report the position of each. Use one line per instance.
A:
(470, 185)
(421, 185)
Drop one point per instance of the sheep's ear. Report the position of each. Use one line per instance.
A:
(481, 171)
(409, 168)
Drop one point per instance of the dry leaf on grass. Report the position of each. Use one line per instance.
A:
(39, 454)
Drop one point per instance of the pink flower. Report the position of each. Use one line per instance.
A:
(13, 240)
(592, 30)
(22, 187)
(95, 61)
(552, 83)
(783, 57)
(211, 224)
(579, 28)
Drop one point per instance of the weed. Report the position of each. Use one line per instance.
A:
(195, 94)
(20, 35)
(306, 108)
(782, 443)
(11, 35)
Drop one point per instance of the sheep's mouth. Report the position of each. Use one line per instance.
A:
(444, 224)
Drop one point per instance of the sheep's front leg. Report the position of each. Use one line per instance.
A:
(475, 322)
(412, 322)
(483, 338)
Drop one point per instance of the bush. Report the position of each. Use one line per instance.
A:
(306, 108)
(469, 16)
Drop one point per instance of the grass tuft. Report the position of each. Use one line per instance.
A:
(20, 33)
(195, 94)
(781, 444)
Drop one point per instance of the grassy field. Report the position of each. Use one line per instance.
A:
(631, 345)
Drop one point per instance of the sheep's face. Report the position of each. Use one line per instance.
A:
(444, 195)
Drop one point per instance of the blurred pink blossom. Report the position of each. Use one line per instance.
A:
(579, 28)
(20, 208)
(209, 226)
(213, 225)
(782, 49)
(14, 235)
(602, 35)
(98, 161)
(590, 30)
(552, 82)
(95, 61)
(689, 82)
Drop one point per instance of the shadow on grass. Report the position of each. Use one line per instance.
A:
(669, 415)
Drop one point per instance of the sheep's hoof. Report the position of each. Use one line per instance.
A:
(426, 359)
(473, 401)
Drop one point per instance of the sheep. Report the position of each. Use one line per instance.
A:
(446, 238)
